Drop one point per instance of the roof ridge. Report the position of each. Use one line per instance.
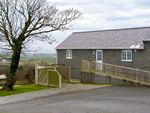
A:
(112, 29)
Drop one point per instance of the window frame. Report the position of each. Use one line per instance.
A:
(69, 56)
(126, 56)
(101, 56)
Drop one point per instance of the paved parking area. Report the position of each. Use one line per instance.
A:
(113, 99)
(66, 88)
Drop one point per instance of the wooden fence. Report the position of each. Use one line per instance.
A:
(120, 72)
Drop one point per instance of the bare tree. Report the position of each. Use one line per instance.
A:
(24, 21)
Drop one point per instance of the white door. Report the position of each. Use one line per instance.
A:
(99, 59)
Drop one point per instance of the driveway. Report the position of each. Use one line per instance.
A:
(113, 99)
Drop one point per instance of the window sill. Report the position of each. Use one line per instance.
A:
(68, 58)
(126, 60)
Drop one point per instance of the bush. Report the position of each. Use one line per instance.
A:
(44, 63)
(25, 73)
(4, 70)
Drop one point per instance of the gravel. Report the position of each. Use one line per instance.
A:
(66, 88)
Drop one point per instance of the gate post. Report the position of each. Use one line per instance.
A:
(59, 81)
(36, 75)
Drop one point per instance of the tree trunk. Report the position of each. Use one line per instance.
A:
(10, 81)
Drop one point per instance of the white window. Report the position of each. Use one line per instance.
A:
(126, 55)
(69, 54)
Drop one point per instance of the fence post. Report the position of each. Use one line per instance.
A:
(69, 73)
(81, 65)
(36, 75)
(106, 68)
(113, 70)
(89, 66)
(137, 75)
(47, 77)
(122, 72)
(94, 66)
(86, 66)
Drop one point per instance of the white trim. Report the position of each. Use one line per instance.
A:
(126, 56)
(70, 54)
(102, 56)
(68, 58)
(127, 60)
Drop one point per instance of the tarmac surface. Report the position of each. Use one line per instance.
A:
(113, 99)
(66, 88)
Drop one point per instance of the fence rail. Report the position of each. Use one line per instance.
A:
(120, 72)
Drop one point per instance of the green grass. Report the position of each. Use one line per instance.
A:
(24, 89)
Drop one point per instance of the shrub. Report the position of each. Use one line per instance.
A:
(26, 73)
(4, 70)
(44, 63)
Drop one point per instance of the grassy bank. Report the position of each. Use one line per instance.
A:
(24, 89)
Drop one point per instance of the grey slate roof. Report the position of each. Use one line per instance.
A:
(128, 38)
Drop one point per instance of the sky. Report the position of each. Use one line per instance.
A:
(100, 15)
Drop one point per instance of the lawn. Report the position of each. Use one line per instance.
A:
(24, 89)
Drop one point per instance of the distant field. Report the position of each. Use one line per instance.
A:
(50, 59)
(4, 64)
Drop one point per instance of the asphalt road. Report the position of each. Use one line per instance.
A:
(114, 99)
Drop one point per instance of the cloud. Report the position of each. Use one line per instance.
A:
(133, 12)
(107, 14)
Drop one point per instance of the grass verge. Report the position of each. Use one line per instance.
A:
(24, 89)
(90, 84)
(76, 81)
